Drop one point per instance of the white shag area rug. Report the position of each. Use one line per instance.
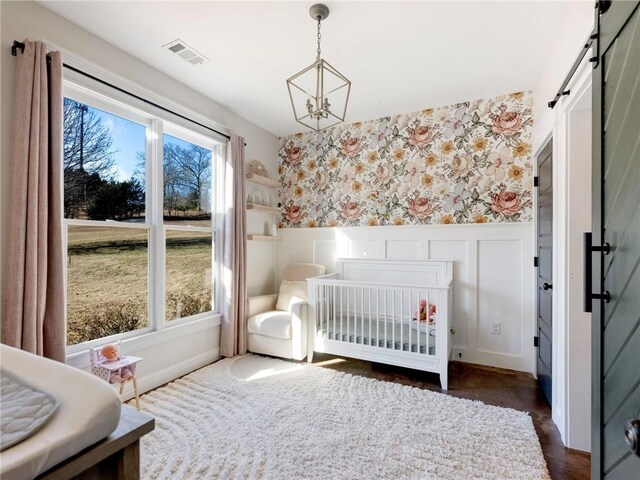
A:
(255, 417)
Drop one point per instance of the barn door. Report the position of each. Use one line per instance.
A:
(615, 247)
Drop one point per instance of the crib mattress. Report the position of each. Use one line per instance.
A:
(397, 336)
(89, 411)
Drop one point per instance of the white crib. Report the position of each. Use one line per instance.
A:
(369, 310)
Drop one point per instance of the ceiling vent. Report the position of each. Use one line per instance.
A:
(186, 52)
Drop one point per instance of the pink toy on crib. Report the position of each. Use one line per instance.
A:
(432, 313)
(421, 314)
(110, 354)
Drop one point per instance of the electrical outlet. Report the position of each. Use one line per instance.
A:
(495, 328)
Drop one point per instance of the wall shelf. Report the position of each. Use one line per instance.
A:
(266, 181)
(263, 209)
(263, 238)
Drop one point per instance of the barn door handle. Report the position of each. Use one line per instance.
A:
(632, 436)
(589, 296)
(547, 286)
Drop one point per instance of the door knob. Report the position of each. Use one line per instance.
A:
(547, 286)
(632, 435)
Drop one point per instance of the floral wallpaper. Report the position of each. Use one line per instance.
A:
(459, 164)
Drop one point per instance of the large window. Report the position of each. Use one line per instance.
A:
(138, 204)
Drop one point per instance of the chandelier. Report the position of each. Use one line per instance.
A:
(319, 93)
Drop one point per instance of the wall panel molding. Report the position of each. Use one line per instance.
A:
(493, 274)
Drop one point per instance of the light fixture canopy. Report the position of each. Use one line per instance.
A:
(319, 93)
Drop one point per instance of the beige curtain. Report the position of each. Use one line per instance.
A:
(233, 334)
(33, 296)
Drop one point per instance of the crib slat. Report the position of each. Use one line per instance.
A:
(341, 312)
(401, 320)
(362, 316)
(345, 292)
(321, 306)
(435, 333)
(428, 348)
(355, 315)
(411, 306)
(327, 302)
(418, 342)
(377, 316)
(369, 317)
(335, 298)
(386, 316)
(393, 319)
(361, 320)
(316, 292)
(348, 313)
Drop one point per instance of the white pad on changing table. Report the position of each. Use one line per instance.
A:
(89, 411)
(25, 409)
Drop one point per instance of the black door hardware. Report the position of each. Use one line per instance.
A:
(589, 296)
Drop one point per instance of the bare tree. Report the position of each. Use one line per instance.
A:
(172, 191)
(188, 172)
(86, 141)
(87, 156)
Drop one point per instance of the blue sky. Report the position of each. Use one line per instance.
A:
(128, 139)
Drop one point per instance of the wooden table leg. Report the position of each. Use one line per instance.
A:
(128, 462)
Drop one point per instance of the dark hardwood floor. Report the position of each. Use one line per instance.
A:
(494, 386)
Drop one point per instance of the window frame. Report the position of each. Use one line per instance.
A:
(192, 137)
(156, 124)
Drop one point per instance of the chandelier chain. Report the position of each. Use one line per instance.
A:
(319, 38)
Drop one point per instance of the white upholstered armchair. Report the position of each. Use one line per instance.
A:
(277, 323)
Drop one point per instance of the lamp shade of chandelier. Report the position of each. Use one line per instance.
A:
(319, 93)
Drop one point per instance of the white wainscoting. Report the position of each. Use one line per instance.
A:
(493, 277)
(166, 354)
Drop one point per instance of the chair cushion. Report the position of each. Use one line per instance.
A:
(302, 271)
(275, 324)
(290, 293)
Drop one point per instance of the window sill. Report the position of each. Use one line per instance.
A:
(81, 359)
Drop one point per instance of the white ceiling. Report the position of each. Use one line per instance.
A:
(400, 56)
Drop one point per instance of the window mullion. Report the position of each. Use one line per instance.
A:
(217, 223)
(157, 250)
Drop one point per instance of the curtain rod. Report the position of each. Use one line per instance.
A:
(19, 45)
(586, 46)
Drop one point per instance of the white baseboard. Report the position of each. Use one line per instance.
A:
(491, 359)
(157, 379)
